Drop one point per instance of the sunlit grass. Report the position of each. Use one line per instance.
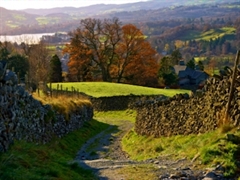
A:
(63, 104)
(116, 116)
(210, 34)
(212, 148)
(100, 89)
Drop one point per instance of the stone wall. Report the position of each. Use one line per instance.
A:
(184, 114)
(24, 118)
(118, 102)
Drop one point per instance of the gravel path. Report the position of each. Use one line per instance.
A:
(104, 156)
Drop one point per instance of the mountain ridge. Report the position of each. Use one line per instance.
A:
(15, 22)
(151, 4)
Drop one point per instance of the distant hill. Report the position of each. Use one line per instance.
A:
(66, 18)
(12, 18)
(108, 8)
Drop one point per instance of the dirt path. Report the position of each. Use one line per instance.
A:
(104, 156)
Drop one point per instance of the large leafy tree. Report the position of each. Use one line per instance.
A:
(116, 53)
(95, 41)
(55, 74)
(136, 62)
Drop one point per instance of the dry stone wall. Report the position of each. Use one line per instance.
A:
(183, 114)
(118, 102)
(24, 118)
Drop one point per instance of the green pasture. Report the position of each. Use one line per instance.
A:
(19, 17)
(197, 59)
(101, 89)
(47, 20)
(42, 20)
(11, 24)
(210, 34)
(230, 6)
(218, 58)
(53, 47)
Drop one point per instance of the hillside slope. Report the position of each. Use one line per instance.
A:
(64, 18)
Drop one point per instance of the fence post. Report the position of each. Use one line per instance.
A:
(226, 118)
(57, 90)
(72, 94)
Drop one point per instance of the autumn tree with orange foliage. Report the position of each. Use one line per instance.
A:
(117, 53)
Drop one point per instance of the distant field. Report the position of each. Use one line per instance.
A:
(197, 59)
(203, 58)
(19, 17)
(47, 20)
(230, 6)
(211, 34)
(101, 89)
(42, 20)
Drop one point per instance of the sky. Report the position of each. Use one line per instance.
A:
(39, 4)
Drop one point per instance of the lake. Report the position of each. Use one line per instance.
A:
(27, 38)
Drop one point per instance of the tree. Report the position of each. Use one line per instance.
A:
(136, 62)
(100, 39)
(211, 66)
(191, 64)
(55, 74)
(176, 56)
(200, 65)
(39, 60)
(4, 52)
(79, 64)
(20, 64)
(166, 71)
(119, 54)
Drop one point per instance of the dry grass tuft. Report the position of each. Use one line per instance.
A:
(63, 104)
(224, 123)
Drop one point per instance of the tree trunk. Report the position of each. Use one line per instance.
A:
(106, 75)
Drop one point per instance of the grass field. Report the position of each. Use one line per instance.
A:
(210, 34)
(101, 89)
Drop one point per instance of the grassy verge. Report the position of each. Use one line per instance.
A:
(51, 161)
(100, 89)
(209, 149)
